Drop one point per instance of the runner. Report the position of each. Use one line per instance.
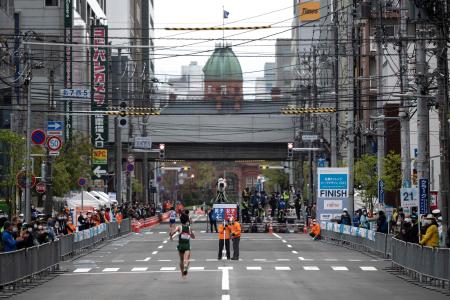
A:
(184, 244)
(172, 220)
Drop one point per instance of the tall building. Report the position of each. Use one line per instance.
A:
(284, 68)
(190, 85)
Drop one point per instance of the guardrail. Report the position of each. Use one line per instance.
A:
(358, 238)
(423, 263)
(25, 263)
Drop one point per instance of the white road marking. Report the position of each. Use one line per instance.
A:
(146, 259)
(330, 259)
(154, 252)
(159, 247)
(260, 259)
(277, 236)
(289, 246)
(339, 268)
(203, 231)
(305, 259)
(355, 260)
(211, 259)
(311, 268)
(295, 252)
(162, 232)
(225, 278)
(82, 270)
(283, 268)
(167, 269)
(110, 269)
(283, 259)
(164, 260)
(149, 232)
(117, 261)
(225, 297)
(165, 242)
(254, 268)
(284, 241)
(367, 268)
(196, 268)
(139, 269)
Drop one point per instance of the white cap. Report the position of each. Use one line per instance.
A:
(436, 211)
(430, 216)
(344, 209)
(440, 218)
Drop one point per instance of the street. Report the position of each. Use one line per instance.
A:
(271, 266)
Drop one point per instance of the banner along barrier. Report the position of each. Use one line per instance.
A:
(19, 265)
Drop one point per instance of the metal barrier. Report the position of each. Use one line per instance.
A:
(18, 265)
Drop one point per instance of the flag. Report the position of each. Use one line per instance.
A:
(225, 14)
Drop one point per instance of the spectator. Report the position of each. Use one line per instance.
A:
(315, 230)
(212, 220)
(413, 233)
(364, 220)
(42, 235)
(273, 204)
(345, 218)
(382, 224)
(28, 238)
(431, 237)
(356, 218)
(70, 228)
(8, 240)
(404, 230)
(298, 205)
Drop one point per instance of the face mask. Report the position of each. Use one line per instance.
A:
(35, 226)
(15, 229)
(399, 223)
(30, 229)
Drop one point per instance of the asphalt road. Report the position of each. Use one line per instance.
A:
(272, 266)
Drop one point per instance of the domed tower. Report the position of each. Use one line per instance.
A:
(223, 78)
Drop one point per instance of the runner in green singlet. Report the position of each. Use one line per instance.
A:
(184, 243)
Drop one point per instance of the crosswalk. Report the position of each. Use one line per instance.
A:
(247, 268)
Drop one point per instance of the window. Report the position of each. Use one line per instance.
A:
(51, 2)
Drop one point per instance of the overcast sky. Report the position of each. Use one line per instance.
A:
(207, 13)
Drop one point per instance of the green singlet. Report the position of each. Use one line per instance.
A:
(184, 239)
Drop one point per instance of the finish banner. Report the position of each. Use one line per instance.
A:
(332, 193)
(99, 98)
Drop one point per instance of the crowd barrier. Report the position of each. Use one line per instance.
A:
(25, 263)
(358, 238)
(137, 225)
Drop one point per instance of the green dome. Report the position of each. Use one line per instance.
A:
(223, 65)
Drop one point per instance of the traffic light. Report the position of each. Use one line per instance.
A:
(290, 153)
(162, 151)
(122, 120)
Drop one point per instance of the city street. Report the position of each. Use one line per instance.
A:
(271, 266)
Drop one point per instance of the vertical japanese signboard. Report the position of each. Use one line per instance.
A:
(99, 98)
(225, 211)
(68, 16)
(332, 193)
(424, 192)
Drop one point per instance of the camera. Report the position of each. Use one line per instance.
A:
(221, 185)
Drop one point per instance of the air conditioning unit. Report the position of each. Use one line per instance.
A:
(373, 44)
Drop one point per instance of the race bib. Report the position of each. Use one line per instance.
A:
(185, 236)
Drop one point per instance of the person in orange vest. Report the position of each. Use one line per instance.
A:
(235, 237)
(315, 230)
(70, 228)
(224, 239)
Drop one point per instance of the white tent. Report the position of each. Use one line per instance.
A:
(101, 197)
(88, 200)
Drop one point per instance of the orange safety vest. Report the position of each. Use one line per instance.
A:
(119, 218)
(315, 229)
(227, 232)
(236, 229)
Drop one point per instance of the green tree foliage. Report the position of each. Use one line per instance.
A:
(12, 153)
(365, 172)
(205, 173)
(275, 178)
(72, 164)
(392, 172)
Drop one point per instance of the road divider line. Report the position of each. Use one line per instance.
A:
(196, 268)
(139, 269)
(167, 269)
(254, 268)
(368, 268)
(289, 246)
(339, 268)
(282, 268)
(311, 268)
(277, 236)
(110, 269)
(295, 252)
(225, 297)
(225, 278)
(154, 252)
(82, 270)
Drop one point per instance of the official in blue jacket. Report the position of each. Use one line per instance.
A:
(9, 243)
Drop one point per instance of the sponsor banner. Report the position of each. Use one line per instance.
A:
(332, 192)
(99, 95)
(349, 230)
(309, 11)
(100, 156)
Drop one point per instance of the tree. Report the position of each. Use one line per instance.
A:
(205, 174)
(275, 178)
(366, 178)
(392, 172)
(72, 164)
(12, 148)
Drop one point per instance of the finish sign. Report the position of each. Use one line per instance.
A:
(54, 143)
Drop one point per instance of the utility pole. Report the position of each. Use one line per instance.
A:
(28, 171)
(118, 139)
(380, 104)
(404, 103)
(145, 171)
(314, 127)
(335, 117)
(350, 116)
(48, 205)
(423, 117)
(444, 132)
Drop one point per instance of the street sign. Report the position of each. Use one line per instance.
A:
(310, 137)
(224, 211)
(55, 126)
(321, 163)
(81, 181)
(130, 159)
(54, 143)
(409, 198)
(380, 191)
(130, 167)
(38, 137)
(100, 156)
(40, 187)
(99, 172)
(76, 93)
(142, 142)
(21, 180)
(434, 199)
(423, 196)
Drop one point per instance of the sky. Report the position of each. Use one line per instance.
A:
(208, 13)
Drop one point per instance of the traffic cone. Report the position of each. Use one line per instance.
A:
(270, 228)
(305, 229)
